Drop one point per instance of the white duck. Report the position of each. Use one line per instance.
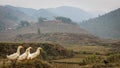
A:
(35, 54)
(14, 56)
(24, 55)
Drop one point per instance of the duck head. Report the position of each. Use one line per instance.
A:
(29, 48)
(39, 48)
(20, 47)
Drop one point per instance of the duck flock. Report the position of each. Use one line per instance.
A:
(26, 55)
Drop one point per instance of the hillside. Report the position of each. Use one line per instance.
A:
(36, 13)
(10, 18)
(51, 31)
(105, 26)
(45, 27)
(53, 27)
(61, 38)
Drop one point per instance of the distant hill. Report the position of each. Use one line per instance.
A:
(105, 26)
(45, 14)
(76, 14)
(50, 30)
(36, 13)
(10, 17)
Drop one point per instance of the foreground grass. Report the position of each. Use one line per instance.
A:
(50, 50)
(26, 64)
(85, 56)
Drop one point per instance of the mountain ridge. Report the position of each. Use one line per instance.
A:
(105, 26)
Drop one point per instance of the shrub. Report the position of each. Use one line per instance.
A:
(113, 58)
(92, 59)
(38, 31)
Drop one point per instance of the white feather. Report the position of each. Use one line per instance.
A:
(35, 54)
(14, 56)
(24, 55)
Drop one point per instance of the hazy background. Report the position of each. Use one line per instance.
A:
(98, 17)
(98, 6)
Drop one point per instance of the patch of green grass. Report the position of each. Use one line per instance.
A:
(92, 59)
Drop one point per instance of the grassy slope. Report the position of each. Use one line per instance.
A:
(46, 27)
(61, 38)
(50, 50)
(105, 26)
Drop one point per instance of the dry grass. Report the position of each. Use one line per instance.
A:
(62, 65)
(93, 60)
(25, 64)
(70, 60)
(81, 53)
(89, 49)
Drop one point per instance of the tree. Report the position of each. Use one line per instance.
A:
(64, 19)
(24, 23)
(41, 19)
(39, 31)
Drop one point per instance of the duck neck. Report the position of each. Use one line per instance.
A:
(18, 50)
(38, 51)
(28, 52)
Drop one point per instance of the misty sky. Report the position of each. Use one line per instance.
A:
(89, 5)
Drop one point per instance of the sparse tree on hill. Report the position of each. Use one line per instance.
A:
(41, 19)
(24, 23)
(64, 19)
(39, 31)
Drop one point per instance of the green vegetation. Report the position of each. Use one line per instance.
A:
(38, 31)
(114, 58)
(24, 23)
(92, 59)
(41, 19)
(64, 19)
